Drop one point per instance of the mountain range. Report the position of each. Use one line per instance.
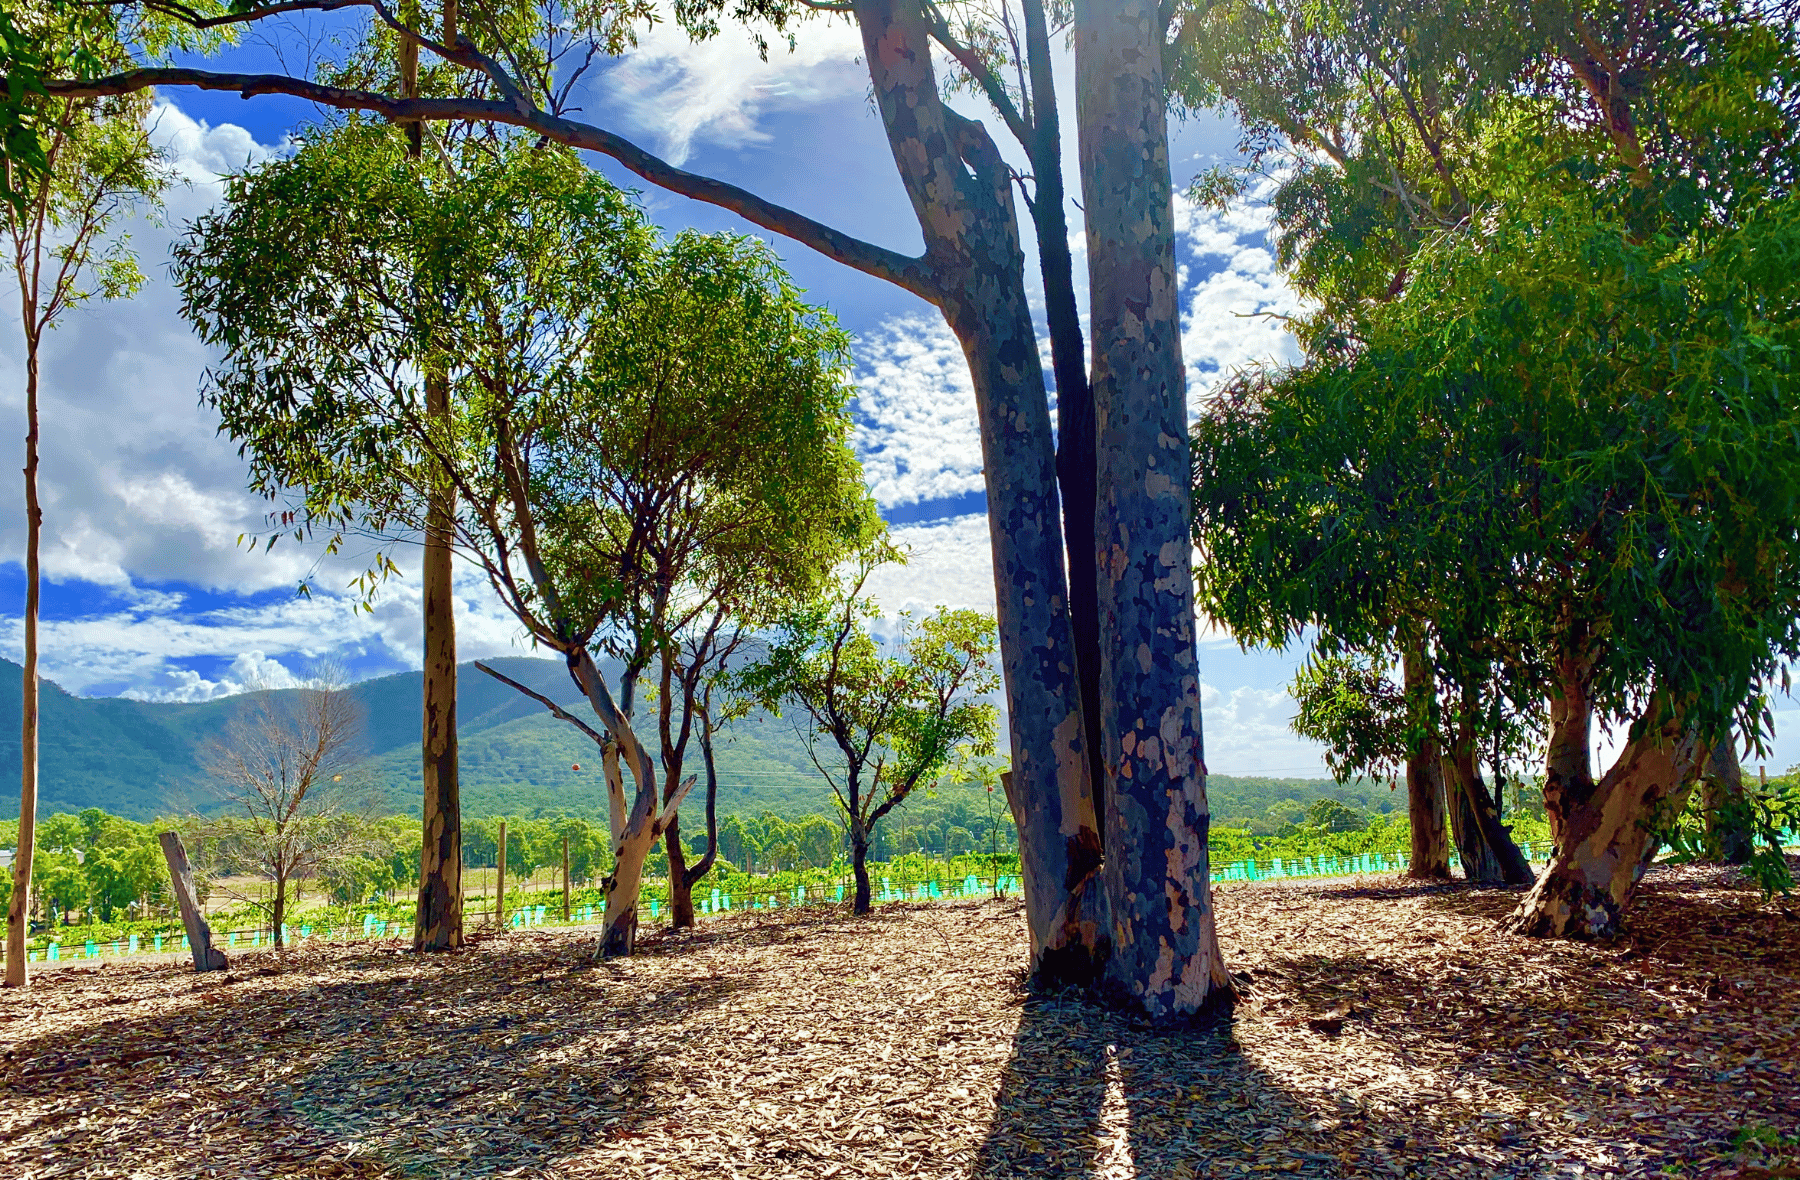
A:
(144, 759)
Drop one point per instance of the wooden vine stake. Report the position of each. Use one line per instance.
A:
(207, 957)
(500, 883)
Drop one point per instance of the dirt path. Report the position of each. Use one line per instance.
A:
(809, 1044)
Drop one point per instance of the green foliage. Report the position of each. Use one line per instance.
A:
(1770, 812)
(1348, 703)
(613, 395)
(881, 720)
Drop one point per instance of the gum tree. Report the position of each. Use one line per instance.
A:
(880, 720)
(972, 269)
(82, 165)
(614, 400)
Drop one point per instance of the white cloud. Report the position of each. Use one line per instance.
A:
(917, 432)
(138, 648)
(951, 565)
(718, 90)
(1247, 733)
(136, 484)
(201, 153)
(1227, 316)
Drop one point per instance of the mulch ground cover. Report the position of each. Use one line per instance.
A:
(1386, 1029)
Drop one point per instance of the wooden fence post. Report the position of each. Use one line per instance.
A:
(500, 883)
(207, 957)
(565, 878)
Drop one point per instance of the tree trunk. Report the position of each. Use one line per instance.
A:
(1424, 777)
(500, 880)
(681, 894)
(207, 957)
(683, 906)
(961, 192)
(1075, 462)
(278, 912)
(1165, 952)
(635, 829)
(1485, 845)
(1602, 829)
(1730, 836)
(18, 925)
(859, 868)
(439, 920)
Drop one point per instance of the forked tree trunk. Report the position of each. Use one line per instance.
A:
(1424, 778)
(438, 923)
(18, 909)
(1602, 829)
(961, 193)
(1729, 835)
(1165, 952)
(636, 825)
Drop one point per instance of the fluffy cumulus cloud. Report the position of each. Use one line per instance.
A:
(949, 564)
(916, 428)
(1232, 294)
(719, 90)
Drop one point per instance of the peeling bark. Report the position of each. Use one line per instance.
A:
(1602, 829)
(1165, 953)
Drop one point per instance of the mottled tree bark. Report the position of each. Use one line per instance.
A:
(636, 825)
(1602, 828)
(437, 925)
(1424, 778)
(960, 190)
(1165, 953)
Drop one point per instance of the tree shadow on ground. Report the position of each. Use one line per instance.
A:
(390, 1064)
(1420, 1041)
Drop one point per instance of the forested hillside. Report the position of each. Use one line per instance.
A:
(141, 759)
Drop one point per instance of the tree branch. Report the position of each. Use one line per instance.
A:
(913, 274)
(555, 709)
(968, 59)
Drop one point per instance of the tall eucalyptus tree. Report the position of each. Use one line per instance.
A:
(612, 399)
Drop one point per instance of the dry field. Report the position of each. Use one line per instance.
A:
(1386, 1030)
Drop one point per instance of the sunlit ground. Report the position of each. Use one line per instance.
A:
(811, 1043)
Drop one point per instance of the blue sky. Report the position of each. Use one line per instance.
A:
(150, 594)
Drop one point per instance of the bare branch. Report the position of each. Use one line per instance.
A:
(556, 710)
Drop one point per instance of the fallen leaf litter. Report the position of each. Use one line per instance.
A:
(1386, 1029)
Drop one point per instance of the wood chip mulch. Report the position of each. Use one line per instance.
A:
(1386, 1030)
